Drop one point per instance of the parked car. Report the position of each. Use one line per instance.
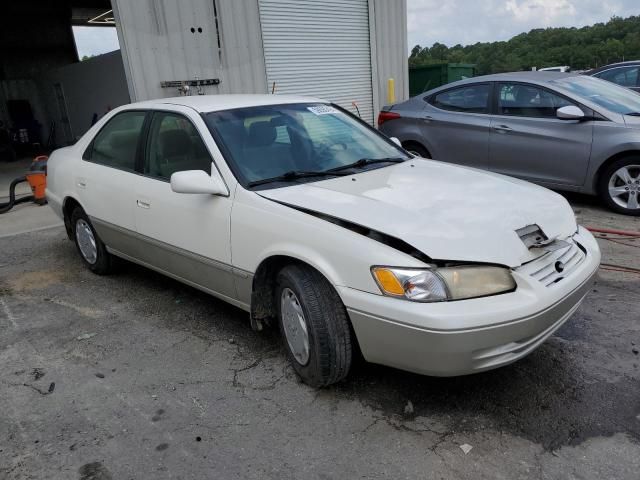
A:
(564, 131)
(624, 74)
(296, 211)
(560, 68)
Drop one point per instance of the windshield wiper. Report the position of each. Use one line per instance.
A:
(363, 162)
(633, 114)
(294, 175)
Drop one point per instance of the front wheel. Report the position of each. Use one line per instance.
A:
(91, 249)
(620, 186)
(314, 326)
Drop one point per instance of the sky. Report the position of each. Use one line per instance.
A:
(470, 21)
(95, 40)
(451, 21)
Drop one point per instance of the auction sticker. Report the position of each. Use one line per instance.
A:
(322, 110)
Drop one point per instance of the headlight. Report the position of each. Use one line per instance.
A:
(441, 284)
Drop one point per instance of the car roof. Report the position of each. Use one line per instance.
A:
(527, 76)
(212, 103)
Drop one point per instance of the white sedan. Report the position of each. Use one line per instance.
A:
(301, 214)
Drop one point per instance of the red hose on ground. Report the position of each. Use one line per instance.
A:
(613, 232)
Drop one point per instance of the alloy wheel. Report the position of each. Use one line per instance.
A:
(624, 187)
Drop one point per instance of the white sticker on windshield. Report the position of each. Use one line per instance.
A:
(322, 109)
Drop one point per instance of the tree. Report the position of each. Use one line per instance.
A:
(581, 48)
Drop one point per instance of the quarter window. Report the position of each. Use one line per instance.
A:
(117, 143)
(469, 99)
(625, 76)
(528, 101)
(174, 146)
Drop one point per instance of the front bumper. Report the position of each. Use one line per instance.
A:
(469, 336)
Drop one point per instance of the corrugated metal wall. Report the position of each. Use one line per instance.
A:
(157, 44)
(320, 48)
(169, 40)
(391, 49)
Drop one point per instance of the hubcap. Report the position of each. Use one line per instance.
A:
(86, 241)
(624, 187)
(295, 326)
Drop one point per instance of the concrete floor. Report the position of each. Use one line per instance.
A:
(136, 376)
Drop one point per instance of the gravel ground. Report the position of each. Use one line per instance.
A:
(135, 376)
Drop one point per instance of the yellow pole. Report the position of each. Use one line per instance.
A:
(391, 91)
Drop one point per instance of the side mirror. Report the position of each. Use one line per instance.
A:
(570, 112)
(198, 181)
(396, 141)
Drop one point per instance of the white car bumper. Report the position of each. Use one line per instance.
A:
(469, 336)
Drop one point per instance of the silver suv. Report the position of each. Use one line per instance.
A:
(564, 131)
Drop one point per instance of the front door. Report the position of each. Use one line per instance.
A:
(185, 235)
(529, 141)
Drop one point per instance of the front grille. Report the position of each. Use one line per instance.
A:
(552, 267)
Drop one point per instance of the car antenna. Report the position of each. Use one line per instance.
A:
(356, 107)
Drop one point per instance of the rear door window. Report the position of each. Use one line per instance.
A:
(116, 145)
(625, 76)
(468, 99)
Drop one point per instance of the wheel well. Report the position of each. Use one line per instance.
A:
(263, 308)
(68, 206)
(407, 146)
(609, 161)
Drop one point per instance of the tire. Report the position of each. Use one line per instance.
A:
(325, 320)
(103, 262)
(416, 149)
(627, 201)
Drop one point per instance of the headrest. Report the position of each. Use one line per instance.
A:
(175, 143)
(261, 134)
(123, 139)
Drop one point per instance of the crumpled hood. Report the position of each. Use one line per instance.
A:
(446, 211)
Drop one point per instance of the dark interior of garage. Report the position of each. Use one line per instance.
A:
(39, 86)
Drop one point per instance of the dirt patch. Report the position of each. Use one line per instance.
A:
(35, 280)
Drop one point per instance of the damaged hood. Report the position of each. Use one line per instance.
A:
(446, 211)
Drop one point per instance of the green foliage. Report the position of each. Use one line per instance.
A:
(581, 48)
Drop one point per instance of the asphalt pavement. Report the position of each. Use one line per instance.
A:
(136, 376)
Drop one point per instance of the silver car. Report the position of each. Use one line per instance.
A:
(564, 131)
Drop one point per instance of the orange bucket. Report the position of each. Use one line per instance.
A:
(37, 178)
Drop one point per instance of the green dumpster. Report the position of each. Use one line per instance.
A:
(426, 77)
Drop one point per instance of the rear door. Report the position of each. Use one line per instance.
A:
(106, 178)
(456, 124)
(528, 140)
(183, 235)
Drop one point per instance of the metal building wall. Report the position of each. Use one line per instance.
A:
(166, 40)
(390, 49)
(157, 44)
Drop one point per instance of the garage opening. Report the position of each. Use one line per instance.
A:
(60, 71)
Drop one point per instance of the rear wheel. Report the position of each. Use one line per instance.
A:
(91, 249)
(314, 326)
(620, 186)
(416, 149)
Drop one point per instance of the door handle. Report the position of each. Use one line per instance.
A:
(502, 128)
(81, 183)
(427, 118)
(143, 204)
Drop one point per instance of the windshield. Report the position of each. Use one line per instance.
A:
(606, 94)
(271, 141)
